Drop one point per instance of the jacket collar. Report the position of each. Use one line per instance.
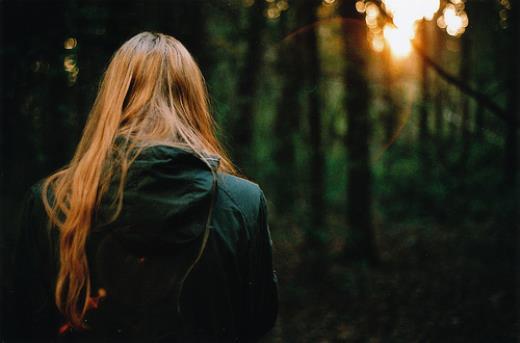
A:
(167, 151)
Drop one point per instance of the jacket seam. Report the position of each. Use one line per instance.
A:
(244, 217)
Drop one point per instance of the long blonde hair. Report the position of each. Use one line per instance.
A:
(152, 92)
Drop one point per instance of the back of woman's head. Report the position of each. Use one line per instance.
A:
(151, 93)
(154, 90)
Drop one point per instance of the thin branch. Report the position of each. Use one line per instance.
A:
(481, 98)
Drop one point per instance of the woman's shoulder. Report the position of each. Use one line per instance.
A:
(239, 185)
(244, 194)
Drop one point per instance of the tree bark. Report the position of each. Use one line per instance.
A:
(439, 98)
(247, 86)
(361, 239)
(425, 89)
(465, 76)
(317, 162)
(286, 121)
(465, 69)
(511, 153)
(390, 113)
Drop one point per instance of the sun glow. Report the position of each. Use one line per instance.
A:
(398, 33)
(405, 16)
(398, 40)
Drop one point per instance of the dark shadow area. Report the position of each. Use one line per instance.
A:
(390, 165)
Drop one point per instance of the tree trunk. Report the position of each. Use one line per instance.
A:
(465, 74)
(511, 144)
(286, 122)
(310, 49)
(439, 99)
(361, 239)
(54, 110)
(247, 86)
(465, 68)
(389, 114)
(425, 91)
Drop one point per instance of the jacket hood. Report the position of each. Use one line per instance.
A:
(166, 200)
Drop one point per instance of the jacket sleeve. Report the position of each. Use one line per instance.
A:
(35, 317)
(262, 282)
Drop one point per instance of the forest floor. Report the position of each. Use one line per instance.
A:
(435, 284)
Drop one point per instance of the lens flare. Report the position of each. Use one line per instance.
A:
(454, 19)
(398, 40)
(405, 15)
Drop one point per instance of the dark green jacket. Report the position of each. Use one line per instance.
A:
(142, 260)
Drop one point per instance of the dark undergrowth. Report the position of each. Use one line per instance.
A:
(446, 238)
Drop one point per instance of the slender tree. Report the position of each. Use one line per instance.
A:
(511, 144)
(425, 88)
(310, 50)
(439, 100)
(53, 104)
(361, 242)
(247, 86)
(465, 76)
(389, 113)
(286, 122)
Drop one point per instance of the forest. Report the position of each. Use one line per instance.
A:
(384, 134)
